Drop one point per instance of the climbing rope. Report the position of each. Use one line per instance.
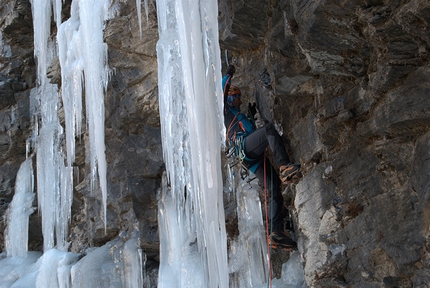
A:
(269, 248)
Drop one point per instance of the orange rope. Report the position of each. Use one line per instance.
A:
(229, 127)
(267, 223)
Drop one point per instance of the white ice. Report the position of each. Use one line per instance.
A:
(54, 269)
(293, 274)
(180, 262)
(193, 226)
(20, 271)
(248, 255)
(19, 210)
(116, 264)
(133, 276)
(83, 59)
(84, 32)
(72, 65)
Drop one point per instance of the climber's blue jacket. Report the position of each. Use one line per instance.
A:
(238, 125)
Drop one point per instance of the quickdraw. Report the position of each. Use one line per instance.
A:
(239, 147)
(237, 153)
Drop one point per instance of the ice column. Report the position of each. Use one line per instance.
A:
(192, 224)
(49, 159)
(248, 254)
(19, 210)
(48, 167)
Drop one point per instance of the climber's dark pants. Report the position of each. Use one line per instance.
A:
(255, 145)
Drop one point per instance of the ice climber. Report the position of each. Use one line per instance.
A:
(240, 131)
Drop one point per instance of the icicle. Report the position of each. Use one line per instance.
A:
(71, 63)
(92, 14)
(83, 53)
(139, 15)
(41, 10)
(147, 11)
(57, 12)
(64, 211)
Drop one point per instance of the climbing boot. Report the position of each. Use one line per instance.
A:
(279, 240)
(288, 172)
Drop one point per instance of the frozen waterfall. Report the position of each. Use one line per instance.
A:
(83, 60)
(191, 211)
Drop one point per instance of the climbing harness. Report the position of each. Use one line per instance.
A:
(236, 150)
(237, 154)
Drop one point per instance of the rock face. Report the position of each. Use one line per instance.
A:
(348, 86)
(345, 81)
